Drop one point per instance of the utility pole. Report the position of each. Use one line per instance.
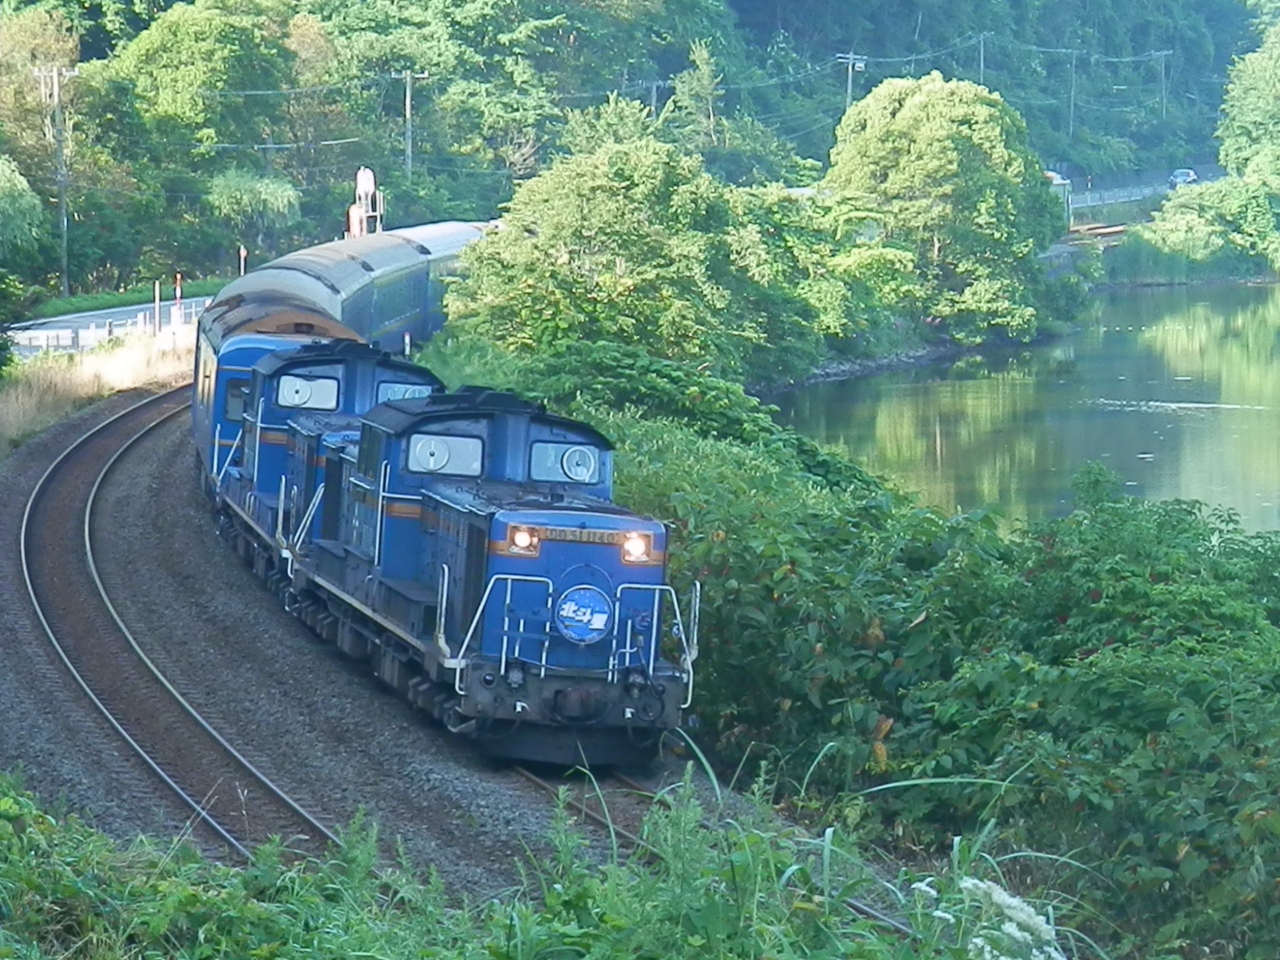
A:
(1071, 107)
(409, 77)
(982, 59)
(52, 93)
(1164, 98)
(855, 64)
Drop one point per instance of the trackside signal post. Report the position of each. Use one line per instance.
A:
(365, 215)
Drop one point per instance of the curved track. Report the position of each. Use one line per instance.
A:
(224, 791)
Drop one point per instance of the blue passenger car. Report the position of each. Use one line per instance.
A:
(468, 545)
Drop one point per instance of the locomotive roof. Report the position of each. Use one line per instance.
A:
(340, 351)
(402, 416)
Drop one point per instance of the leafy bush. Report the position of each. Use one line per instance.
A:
(1109, 680)
(1125, 676)
(749, 888)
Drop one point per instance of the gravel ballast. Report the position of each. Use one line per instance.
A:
(318, 724)
(49, 731)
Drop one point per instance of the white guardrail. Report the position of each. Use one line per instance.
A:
(1100, 198)
(51, 336)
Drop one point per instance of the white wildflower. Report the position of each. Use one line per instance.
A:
(923, 887)
(1015, 932)
(979, 949)
(1015, 908)
(943, 916)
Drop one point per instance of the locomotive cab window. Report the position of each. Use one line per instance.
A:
(307, 393)
(237, 394)
(402, 391)
(561, 462)
(369, 456)
(442, 454)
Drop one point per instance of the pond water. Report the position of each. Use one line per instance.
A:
(1177, 391)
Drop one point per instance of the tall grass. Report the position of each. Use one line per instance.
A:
(743, 887)
(40, 392)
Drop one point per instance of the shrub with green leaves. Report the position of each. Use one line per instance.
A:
(1109, 678)
(745, 887)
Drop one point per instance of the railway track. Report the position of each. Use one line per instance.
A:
(613, 802)
(228, 797)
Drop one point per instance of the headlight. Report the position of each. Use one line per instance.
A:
(636, 548)
(522, 542)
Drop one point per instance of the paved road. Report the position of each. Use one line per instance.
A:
(83, 331)
(99, 318)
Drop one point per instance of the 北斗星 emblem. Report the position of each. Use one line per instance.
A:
(584, 614)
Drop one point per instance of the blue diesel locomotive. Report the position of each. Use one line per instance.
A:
(464, 543)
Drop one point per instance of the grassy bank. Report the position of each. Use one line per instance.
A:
(1079, 685)
(1137, 262)
(38, 393)
(749, 888)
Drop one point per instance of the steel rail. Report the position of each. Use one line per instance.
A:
(197, 806)
(253, 771)
(599, 819)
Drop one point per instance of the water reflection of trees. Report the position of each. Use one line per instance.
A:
(1013, 431)
(1233, 346)
(959, 443)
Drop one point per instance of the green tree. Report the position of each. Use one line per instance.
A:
(944, 167)
(636, 243)
(22, 209)
(183, 67)
(260, 205)
(1211, 220)
(1249, 132)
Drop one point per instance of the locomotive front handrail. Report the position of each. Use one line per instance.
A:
(690, 652)
(479, 615)
(442, 601)
(307, 517)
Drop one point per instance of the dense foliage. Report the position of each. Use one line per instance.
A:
(944, 168)
(1084, 73)
(1104, 684)
(934, 206)
(1237, 218)
(1058, 678)
(191, 128)
(750, 889)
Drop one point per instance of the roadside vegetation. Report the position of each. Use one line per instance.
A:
(37, 393)
(742, 887)
(1231, 226)
(141, 295)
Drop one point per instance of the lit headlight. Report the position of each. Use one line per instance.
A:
(522, 542)
(636, 548)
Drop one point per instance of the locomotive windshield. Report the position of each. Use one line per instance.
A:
(307, 393)
(402, 391)
(443, 454)
(560, 462)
